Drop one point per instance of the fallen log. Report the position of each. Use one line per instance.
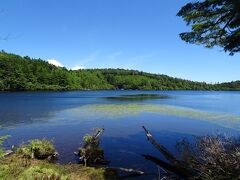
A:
(98, 132)
(8, 153)
(126, 170)
(166, 166)
(161, 148)
(175, 166)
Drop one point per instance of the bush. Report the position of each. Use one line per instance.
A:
(212, 157)
(38, 149)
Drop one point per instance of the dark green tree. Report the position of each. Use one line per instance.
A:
(213, 23)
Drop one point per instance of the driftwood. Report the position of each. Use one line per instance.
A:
(126, 170)
(175, 166)
(98, 132)
(129, 172)
(8, 153)
(161, 163)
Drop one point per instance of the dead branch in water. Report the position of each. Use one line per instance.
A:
(161, 163)
(126, 170)
(161, 148)
(175, 166)
(98, 132)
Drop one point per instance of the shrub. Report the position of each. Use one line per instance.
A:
(38, 149)
(212, 157)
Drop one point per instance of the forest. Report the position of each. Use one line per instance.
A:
(19, 73)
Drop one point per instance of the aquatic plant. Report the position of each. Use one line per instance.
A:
(114, 111)
(38, 149)
(91, 153)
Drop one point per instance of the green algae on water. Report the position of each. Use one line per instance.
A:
(114, 111)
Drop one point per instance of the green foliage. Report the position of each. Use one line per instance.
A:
(39, 149)
(213, 22)
(91, 153)
(88, 139)
(24, 74)
(2, 139)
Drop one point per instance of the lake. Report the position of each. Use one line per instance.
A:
(66, 117)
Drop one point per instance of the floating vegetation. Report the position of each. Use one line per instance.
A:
(113, 111)
(138, 97)
(38, 149)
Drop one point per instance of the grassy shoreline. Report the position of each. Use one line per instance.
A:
(15, 166)
(37, 160)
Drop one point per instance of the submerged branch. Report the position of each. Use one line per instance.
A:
(177, 166)
(126, 170)
(161, 148)
(161, 163)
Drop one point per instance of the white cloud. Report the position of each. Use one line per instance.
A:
(55, 63)
(77, 68)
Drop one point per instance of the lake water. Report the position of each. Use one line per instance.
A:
(66, 117)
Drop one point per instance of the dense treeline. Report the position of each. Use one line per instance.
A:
(23, 73)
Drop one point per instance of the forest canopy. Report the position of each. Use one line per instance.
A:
(26, 74)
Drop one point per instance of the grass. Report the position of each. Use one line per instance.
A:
(31, 162)
(17, 167)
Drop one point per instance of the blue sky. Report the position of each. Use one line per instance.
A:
(131, 34)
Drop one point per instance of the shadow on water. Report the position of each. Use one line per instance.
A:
(38, 107)
(34, 107)
(137, 97)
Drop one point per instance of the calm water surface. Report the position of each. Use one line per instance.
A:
(66, 116)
